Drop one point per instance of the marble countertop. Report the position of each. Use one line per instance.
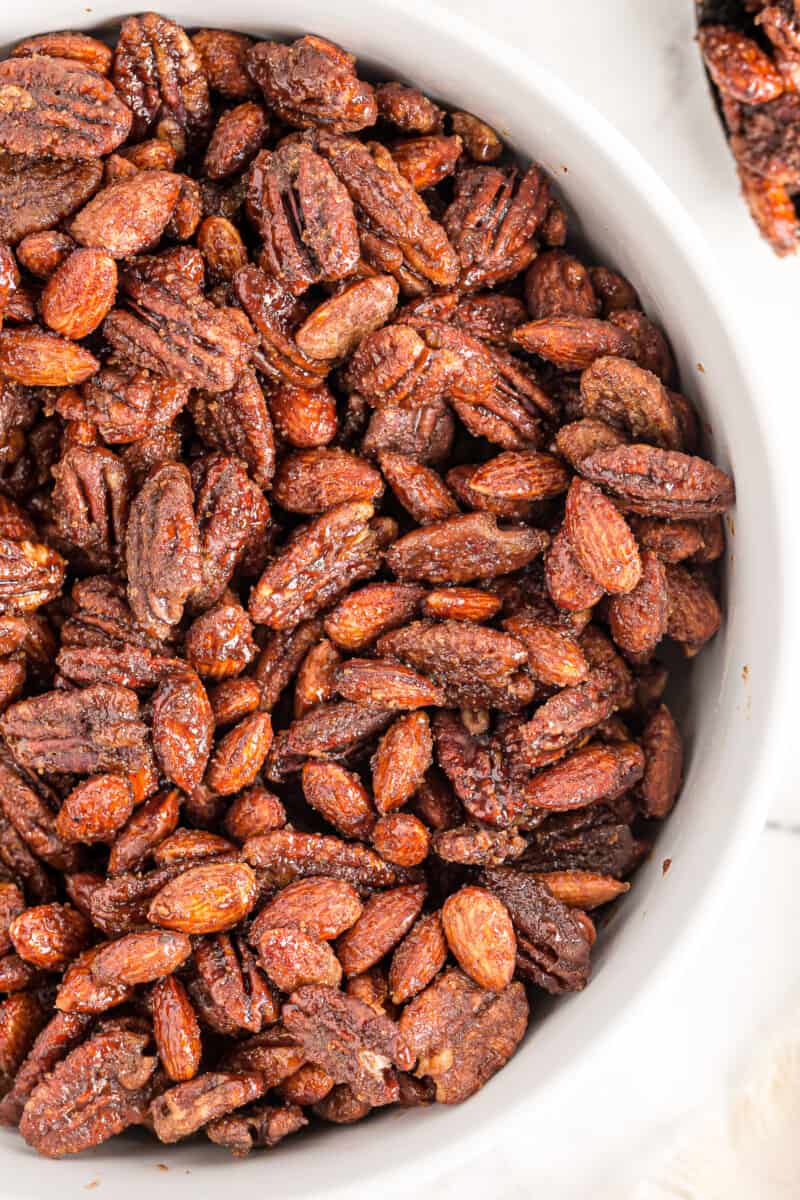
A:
(635, 61)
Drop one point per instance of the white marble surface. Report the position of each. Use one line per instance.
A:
(636, 62)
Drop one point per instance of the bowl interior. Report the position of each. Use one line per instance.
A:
(629, 221)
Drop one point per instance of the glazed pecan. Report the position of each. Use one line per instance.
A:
(492, 222)
(36, 194)
(305, 215)
(159, 74)
(460, 1035)
(321, 562)
(313, 83)
(353, 1043)
(174, 331)
(96, 729)
(393, 218)
(163, 549)
(99, 1089)
(552, 942)
(56, 108)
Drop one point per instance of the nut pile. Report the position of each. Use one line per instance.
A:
(752, 53)
(342, 514)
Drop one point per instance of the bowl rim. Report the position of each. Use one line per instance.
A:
(748, 818)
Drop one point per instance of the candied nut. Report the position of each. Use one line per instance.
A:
(55, 107)
(172, 329)
(593, 773)
(305, 417)
(124, 403)
(313, 82)
(30, 575)
(663, 768)
(350, 1040)
(461, 604)
(224, 55)
(92, 496)
(140, 957)
(474, 665)
(401, 838)
(582, 889)
(49, 935)
(339, 797)
(693, 615)
(465, 548)
(558, 285)
(408, 108)
(311, 481)
(219, 644)
(621, 393)
(233, 699)
(222, 247)
(163, 552)
(176, 1030)
(237, 138)
(418, 488)
(480, 141)
(60, 1035)
(89, 731)
(261, 1125)
(601, 539)
(492, 221)
(525, 475)
(102, 1087)
(418, 959)
(569, 586)
(403, 756)
(305, 215)
(341, 1106)
(327, 731)
(205, 899)
(39, 359)
(426, 161)
(386, 918)
(308, 1085)
(238, 422)
(240, 754)
(228, 970)
(95, 810)
(362, 616)
(322, 907)
(639, 619)
(253, 812)
(159, 74)
(186, 1108)
(150, 824)
(380, 683)
(460, 1035)
(36, 195)
(481, 937)
(316, 679)
(396, 217)
(334, 551)
(474, 846)
(554, 656)
(572, 343)
(130, 215)
(738, 65)
(292, 959)
(335, 328)
(79, 293)
(553, 944)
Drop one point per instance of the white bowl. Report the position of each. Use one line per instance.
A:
(632, 223)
